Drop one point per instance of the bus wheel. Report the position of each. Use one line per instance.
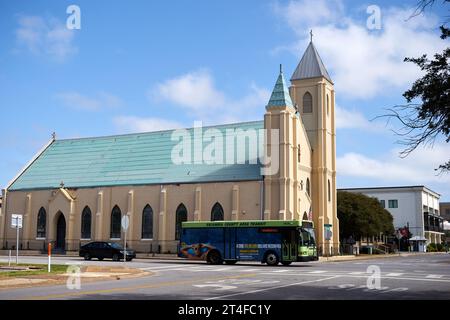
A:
(214, 257)
(272, 259)
(286, 263)
(231, 261)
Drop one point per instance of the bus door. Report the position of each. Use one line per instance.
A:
(229, 244)
(289, 245)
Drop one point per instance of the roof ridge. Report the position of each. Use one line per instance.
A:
(157, 131)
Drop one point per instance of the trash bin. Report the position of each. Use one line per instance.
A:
(369, 250)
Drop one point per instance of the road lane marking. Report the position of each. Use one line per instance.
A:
(160, 267)
(219, 287)
(248, 270)
(318, 271)
(271, 288)
(357, 272)
(394, 274)
(124, 289)
(434, 276)
(281, 271)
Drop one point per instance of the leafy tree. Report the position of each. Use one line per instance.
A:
(423, 122)
(362, 216)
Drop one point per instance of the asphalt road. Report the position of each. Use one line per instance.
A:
(412, 277)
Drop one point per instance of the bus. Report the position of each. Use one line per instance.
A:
(270, 241)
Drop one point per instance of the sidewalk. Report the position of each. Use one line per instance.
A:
(374, 256)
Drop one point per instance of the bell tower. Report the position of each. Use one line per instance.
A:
(312, 90)
(280, 188)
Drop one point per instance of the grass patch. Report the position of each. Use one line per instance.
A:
(38, 269)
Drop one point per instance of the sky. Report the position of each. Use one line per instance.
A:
(136, 66)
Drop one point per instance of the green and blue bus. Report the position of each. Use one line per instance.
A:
(271, 242)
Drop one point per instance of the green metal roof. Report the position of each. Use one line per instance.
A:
(242, 223)
(133, 159)
(280, 95)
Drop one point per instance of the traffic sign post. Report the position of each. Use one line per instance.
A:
(125, 225)
(49, 257)
(16, 222)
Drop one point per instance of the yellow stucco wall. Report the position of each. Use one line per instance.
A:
(242, 198)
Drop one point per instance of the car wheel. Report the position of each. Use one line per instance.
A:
(115, 257)
(214, 257)
(129, 259)
(231, 261)
(286, 263)
(272, 259)
(87, 256)
(100, 259)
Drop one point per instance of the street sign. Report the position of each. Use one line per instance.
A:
(16, 221)
(125, 223)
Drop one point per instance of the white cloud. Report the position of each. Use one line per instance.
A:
(363, 63)
(102, 100)
(197, 93)
(45, 37)
(299, 14)
(418, 167)
(353, 119)
(137, 124)
(194, 90)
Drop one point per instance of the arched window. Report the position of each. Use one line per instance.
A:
(217, 212)
(181, 216)
(116, 216)
(147, 223)
(41, 223)
(86, 220)
(328, 105)
(308, 187)
(307, 103)
(329, 191)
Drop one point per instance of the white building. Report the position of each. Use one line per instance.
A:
(416, 207)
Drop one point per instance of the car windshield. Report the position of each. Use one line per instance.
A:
(115, 245)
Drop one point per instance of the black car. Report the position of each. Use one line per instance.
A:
(101, 250)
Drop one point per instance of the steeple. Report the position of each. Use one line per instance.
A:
(311, 65)
(280, 95)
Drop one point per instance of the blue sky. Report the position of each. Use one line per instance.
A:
(119, 73)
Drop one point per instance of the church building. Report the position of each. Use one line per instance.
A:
(77, 190)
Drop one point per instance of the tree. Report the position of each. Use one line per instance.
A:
(423, 122)
(362, 216)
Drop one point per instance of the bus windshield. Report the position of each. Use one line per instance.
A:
(307, 237)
